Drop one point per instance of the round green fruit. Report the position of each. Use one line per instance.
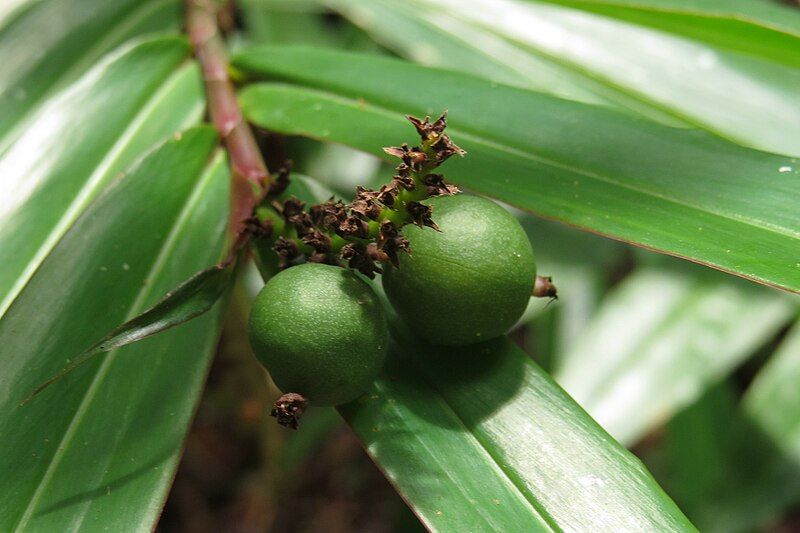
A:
(468, 283)
(320, 331)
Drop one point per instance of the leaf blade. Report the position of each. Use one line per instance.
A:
(134, 99)
(681, 192)
(91, 460)
(502, 405)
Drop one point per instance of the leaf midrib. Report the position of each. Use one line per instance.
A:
(537, 506)
(90, 188)
(155, 270)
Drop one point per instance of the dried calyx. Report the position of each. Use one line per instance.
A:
(365, 232)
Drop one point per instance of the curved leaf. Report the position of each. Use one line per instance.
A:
(99, 448)
(683, 192)
(765, 29)
(659, 339)
(190, 299)
(79, 140)
(593, 58)
(742, 98)
(480, 439)
(47, 44)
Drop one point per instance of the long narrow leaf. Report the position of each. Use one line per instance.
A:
(683, 192)
(99, 448)
(78, 141)
(481, 439)
(660, 339)
(190, 299)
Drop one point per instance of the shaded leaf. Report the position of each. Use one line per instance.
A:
(683, 192)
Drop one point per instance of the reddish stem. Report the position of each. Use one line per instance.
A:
(249, 174)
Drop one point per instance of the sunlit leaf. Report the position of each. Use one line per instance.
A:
(98, 449)
(660, 338)
(683, 192)
(79, 140)
(480, 439)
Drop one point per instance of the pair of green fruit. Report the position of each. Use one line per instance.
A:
(321, 330)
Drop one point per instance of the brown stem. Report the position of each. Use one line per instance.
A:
(249, 174)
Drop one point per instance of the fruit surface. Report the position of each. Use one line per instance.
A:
(468, 283)
(320, 331)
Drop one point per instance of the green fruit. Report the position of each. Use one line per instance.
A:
(469, 282)
(320, 331)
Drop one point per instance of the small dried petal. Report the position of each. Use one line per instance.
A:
(280, 180)
(407, 182)
(421, 215)
(354, 226)
(257, 227)
(302, 223)
(319, 241)
(436, 186)
(388, 193)
(543, 287)
(287, 251)
(292, 207)
(391, 242)
(367, 208)
(288, 409)
(358, 258)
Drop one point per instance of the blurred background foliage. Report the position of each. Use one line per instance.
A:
(692, 369)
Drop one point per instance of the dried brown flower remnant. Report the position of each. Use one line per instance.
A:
(289, 408)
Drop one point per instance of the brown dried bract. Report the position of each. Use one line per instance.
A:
(543, 287)
(287, 251)
(421, 215)
(280, 180)
(436, 186)
(354, 226)
(288, 409)
(391, 242)
(359, 258)
(320, 242)
(258, 228)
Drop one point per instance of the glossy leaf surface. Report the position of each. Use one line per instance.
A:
(660, 339)
(46, 44)
(683, 192)
(79, 140)
(98, 449)
(766, 29)
(740, 97)
(479, 438)
(593, 58)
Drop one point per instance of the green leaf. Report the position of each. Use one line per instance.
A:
(683, 192)
(439, 40)
(77, 141)
(660, 339)
(47, 44)
(480, 439)
(190, 299)
(99, 448)
(596, 59)
(765, 29)
(740, 97)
